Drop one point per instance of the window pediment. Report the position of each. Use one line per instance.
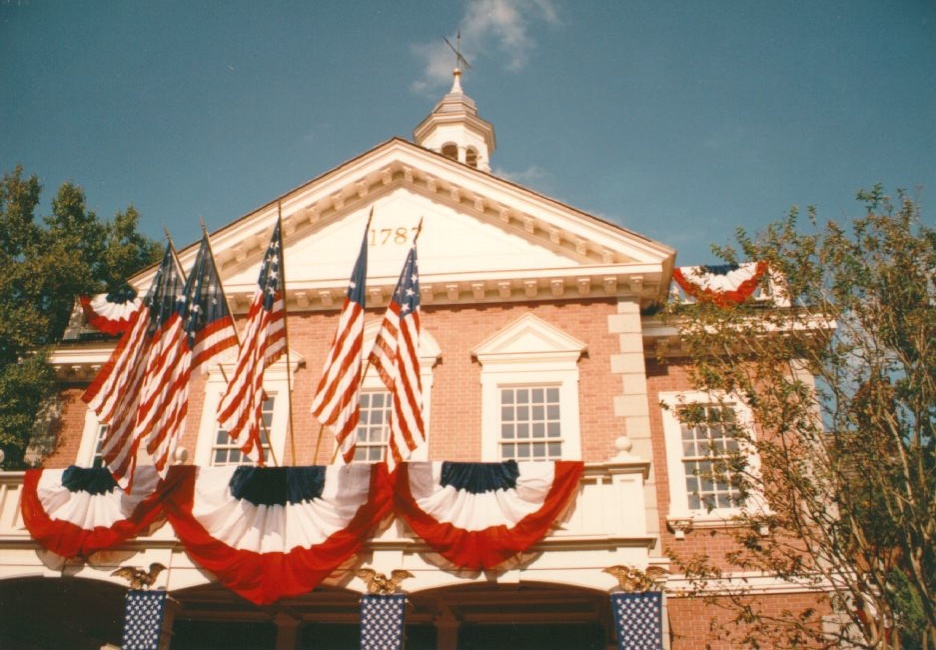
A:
(529, 339)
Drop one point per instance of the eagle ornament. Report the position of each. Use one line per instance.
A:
(138, 577)
(633, 580)
(381, 585)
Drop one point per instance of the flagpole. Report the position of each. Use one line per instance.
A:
(292, 438)
(236, 334)
(318, 441)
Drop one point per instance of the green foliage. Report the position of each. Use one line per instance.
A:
(43, 266)
(842, 384)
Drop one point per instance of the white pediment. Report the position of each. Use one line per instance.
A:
(482, 238)
(529, 337)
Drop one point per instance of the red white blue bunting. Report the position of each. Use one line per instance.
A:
(78, 511)
(480, 515)
(110, 313)
(272, 532)
(724, 285)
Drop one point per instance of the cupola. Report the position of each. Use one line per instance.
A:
(455, 130)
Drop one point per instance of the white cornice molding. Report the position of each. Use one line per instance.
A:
(638, 264)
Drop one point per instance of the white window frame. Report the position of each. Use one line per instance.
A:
(429, 353)
(275, 381)
(231, 447)
(385, 427)
(530, 353)
(90, 435)
(680, 515)
(529, 441)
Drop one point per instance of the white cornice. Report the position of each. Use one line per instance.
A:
(612, 261)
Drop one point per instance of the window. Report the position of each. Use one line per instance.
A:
(706, 455)
(450, 150)
(214, 445)
(92, 442)
(710, 446)
(225, 452)
(98, 459)
(373, 427)
(531, 426)
(529, 393)
(375, 401)
(471, 157)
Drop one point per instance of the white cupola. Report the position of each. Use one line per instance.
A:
(454, 129)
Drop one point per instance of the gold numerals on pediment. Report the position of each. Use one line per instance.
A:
(399, 236)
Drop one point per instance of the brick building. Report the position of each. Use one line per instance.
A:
(524, 300)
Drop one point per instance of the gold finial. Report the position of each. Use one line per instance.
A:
(459, 61)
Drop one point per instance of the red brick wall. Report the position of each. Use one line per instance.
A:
(69, 429)
(695, 624)
(455, 425)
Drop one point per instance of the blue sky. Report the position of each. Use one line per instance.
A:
(680, 119)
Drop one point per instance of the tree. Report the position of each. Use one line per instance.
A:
(842, 386)
(43, 266)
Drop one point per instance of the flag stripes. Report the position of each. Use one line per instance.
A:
(164, 396)
(142, 391)
(395, 356)
(131, 371)
(264, 342)
(210, 326)
(336, 401)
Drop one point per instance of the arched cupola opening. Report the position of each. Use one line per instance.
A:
(450, 150)
(455, 130)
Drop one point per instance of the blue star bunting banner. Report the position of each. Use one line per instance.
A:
(638, 618)
(143, 619)
(382, 622)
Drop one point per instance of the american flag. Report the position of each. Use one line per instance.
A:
(114, 395)
(207, 329)
(638, 618)
(143, 619)
(336, 398)
(164, 393)
(264, 343)
(382, 619)
(395, 357)
(210, 326)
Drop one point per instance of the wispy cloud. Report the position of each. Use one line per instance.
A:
(502, 27)
(533, 176)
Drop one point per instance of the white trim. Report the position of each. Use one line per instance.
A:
(530, 352)
(681, 517)
(89, 436)
(429, 353)
(275, 381)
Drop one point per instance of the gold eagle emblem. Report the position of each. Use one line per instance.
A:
(379, 584)
(635, 580)
(138, 577)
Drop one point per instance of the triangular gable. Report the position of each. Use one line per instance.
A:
(483, 237)
(529, 337)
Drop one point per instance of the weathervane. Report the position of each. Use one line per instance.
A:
(459, 59)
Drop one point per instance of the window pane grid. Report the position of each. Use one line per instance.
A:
(708, 448)
(530, 423)
(98, 459)
(225, 452)
(373, 427)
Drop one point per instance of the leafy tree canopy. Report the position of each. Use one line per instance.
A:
(842, 385)
(44, 264)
